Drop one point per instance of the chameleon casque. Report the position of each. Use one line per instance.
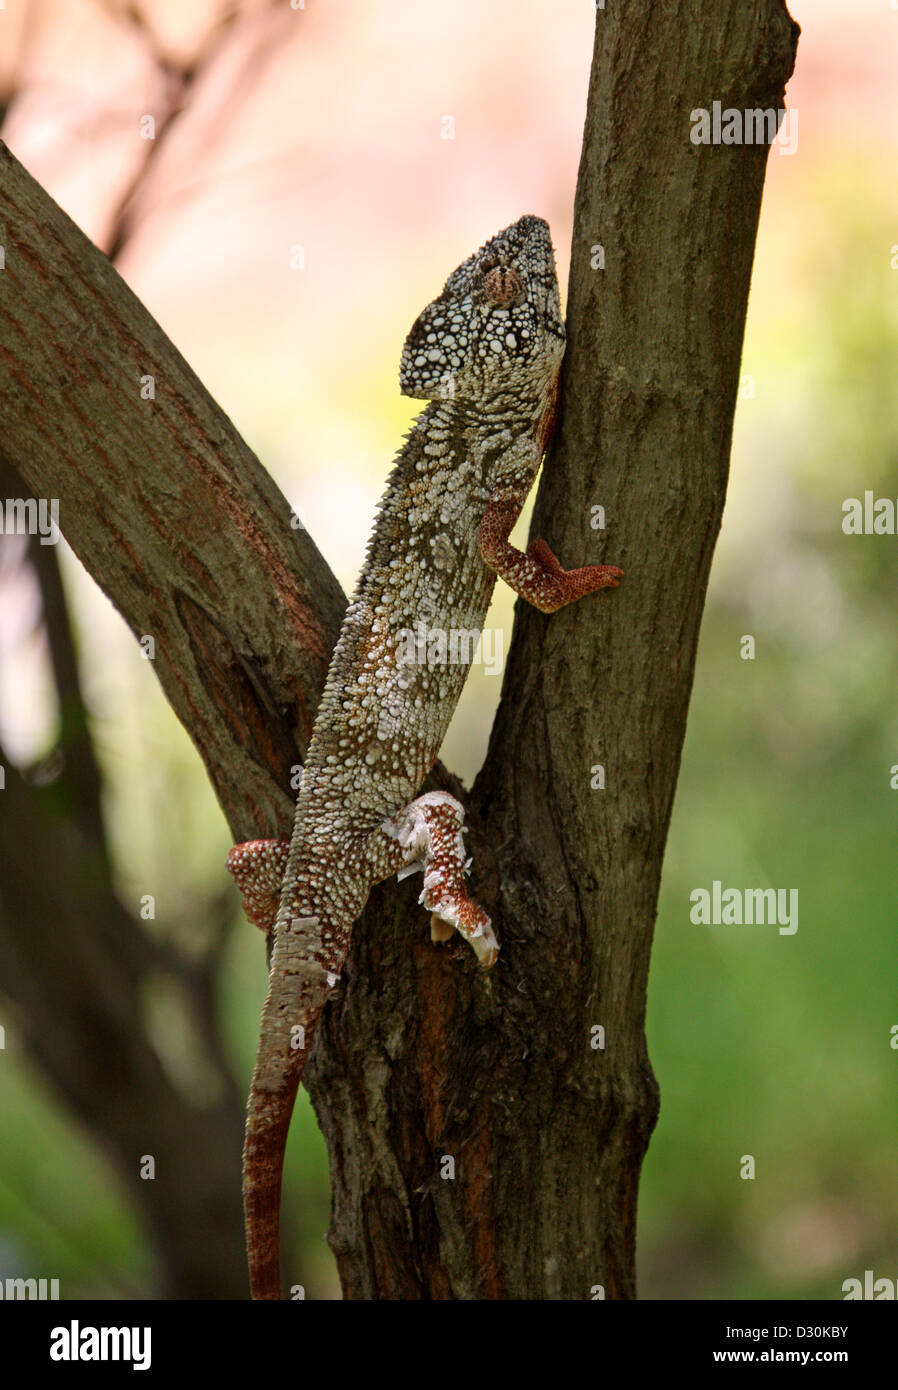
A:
(486, 356)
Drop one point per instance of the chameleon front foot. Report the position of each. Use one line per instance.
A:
(554, 587)
(536, 576)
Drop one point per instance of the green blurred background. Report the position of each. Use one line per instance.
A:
(773, 1046)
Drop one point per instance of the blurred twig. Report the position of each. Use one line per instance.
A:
(74, 961)
(181, 80)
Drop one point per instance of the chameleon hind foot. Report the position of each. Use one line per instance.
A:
(427, 834)
(258, 867)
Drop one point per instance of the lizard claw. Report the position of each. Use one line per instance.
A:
(457, 912)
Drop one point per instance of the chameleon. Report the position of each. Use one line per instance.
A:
(485, 355)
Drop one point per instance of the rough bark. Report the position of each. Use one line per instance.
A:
(425, 1057)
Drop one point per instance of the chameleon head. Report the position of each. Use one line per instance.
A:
(496, 330)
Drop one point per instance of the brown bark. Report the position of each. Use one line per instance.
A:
(423, 1057)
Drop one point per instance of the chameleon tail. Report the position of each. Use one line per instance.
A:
(297, 993)
(268, 1120)
(298, 989)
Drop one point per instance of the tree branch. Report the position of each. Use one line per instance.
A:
(181, 80)
(165, 505)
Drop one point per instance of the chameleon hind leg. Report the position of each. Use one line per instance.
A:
(258, 868)
(427, 834)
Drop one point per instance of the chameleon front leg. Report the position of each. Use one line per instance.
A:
(427, 834)
(536, 576)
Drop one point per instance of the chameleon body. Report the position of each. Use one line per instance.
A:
(486, 355)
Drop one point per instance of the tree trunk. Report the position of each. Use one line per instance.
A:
(425, 1059)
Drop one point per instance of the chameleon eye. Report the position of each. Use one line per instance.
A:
(503, 286)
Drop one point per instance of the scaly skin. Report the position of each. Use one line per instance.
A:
(486, 355)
